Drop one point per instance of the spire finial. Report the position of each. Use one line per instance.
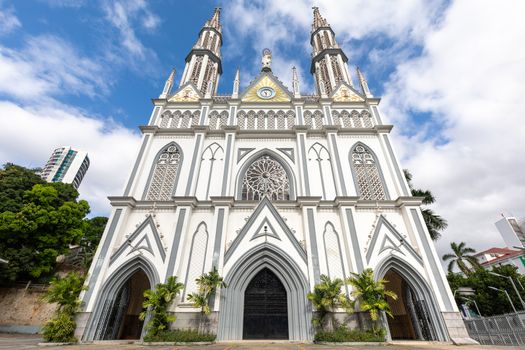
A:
(168, 85)
(295, 83)
(266, 60)
(236, 84)
(363, 83)
(215, 20)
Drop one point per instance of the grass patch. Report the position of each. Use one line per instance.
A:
(180, 336)
(343, 334)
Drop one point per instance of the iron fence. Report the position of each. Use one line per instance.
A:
(508, 329)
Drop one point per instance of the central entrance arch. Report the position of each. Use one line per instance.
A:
(265, 308)
(243, 271)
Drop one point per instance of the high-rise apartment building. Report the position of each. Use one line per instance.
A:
(512, 231)
(66, 165)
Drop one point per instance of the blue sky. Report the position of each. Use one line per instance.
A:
(450, 73)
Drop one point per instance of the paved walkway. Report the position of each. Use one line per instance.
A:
(23, 341)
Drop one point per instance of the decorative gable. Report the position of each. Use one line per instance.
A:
(387, 239)
(266, 88)
(265, 225)
(346, 93)
(187, 93)
(145, 238)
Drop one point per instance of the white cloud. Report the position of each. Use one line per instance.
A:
(8, 20)
(65, 3)
(48, 66)
(29, 134)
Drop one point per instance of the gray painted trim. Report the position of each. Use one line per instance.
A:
(305, 165)
(127, 243)
(176, 241)
(233, 110)
(193, 164)
(108, 237)
(242, 272)
(204, 115)
(218, 238)
(148, 183)
(277, 157)
(355, 241)
(328, 115)
(153, 119)
(148, 246)
(259, 232)
(377, 115)
(265, 203)
(400, 177)
(433, 265)
(340, 253)
(289, 152)
(383, 221)
(419, 286)
(227, 156)
(300, 115)
(313, 243)
(190, 259)
(136, 165)
(354, 175)
(338, 163)
(241, 152)
(111, 288)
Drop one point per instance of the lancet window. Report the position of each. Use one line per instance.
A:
(369, 182)
(265, 177)
(165, 171)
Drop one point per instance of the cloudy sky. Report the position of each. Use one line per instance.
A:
(451, 75)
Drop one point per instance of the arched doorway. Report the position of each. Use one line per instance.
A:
(411, 312)
(265, 308)
(122, 312)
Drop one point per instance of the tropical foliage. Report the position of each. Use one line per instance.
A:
(326, 297)
(208, 284)
(343, 334)
(157, 302)
(371, 296)
(180, 336)
(38, 222)
(462, 258)
(434, 222)
(490, 302)
(64, 292)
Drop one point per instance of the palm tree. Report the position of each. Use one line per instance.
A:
(461, 257)
(208, 284)
(371, 295)
(434, 222)
(326, 297)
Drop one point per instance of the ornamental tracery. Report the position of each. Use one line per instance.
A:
(261, 120)
(368, 177)
(164, 175)
(265, 177)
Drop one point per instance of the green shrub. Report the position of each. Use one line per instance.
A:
(180, 336)
(343, 334)
(60, 328)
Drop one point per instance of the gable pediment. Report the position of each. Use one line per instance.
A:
(263, 226)
(186, 93)
(346, 93)
(387, 239)
(266, 80)
(144, 238)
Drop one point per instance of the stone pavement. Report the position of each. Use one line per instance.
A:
(25, 341)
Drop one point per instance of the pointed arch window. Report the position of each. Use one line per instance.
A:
(368, 178)
(265, 176)
(164, 174)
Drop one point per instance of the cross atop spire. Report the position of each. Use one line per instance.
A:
(215, 21)
(319, 21)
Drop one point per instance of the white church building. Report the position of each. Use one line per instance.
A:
(274, 188)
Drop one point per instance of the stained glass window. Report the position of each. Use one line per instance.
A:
(367, 174)
(164, 175)
(265, 176)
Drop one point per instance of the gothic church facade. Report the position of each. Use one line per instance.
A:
(273, 188)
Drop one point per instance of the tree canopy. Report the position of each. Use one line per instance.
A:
(38, 222)
(462, 257)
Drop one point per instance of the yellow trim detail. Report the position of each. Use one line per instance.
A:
(280, 94)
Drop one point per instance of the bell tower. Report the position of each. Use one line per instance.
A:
(203, 63)
(329, 62)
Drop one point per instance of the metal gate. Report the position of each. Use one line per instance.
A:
(265, 308)
(506, 329)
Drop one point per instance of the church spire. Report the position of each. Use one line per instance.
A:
(168, 85)
(364, 84)
(295, 83)
(203, 63)
(236, 84)
(329, 62)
